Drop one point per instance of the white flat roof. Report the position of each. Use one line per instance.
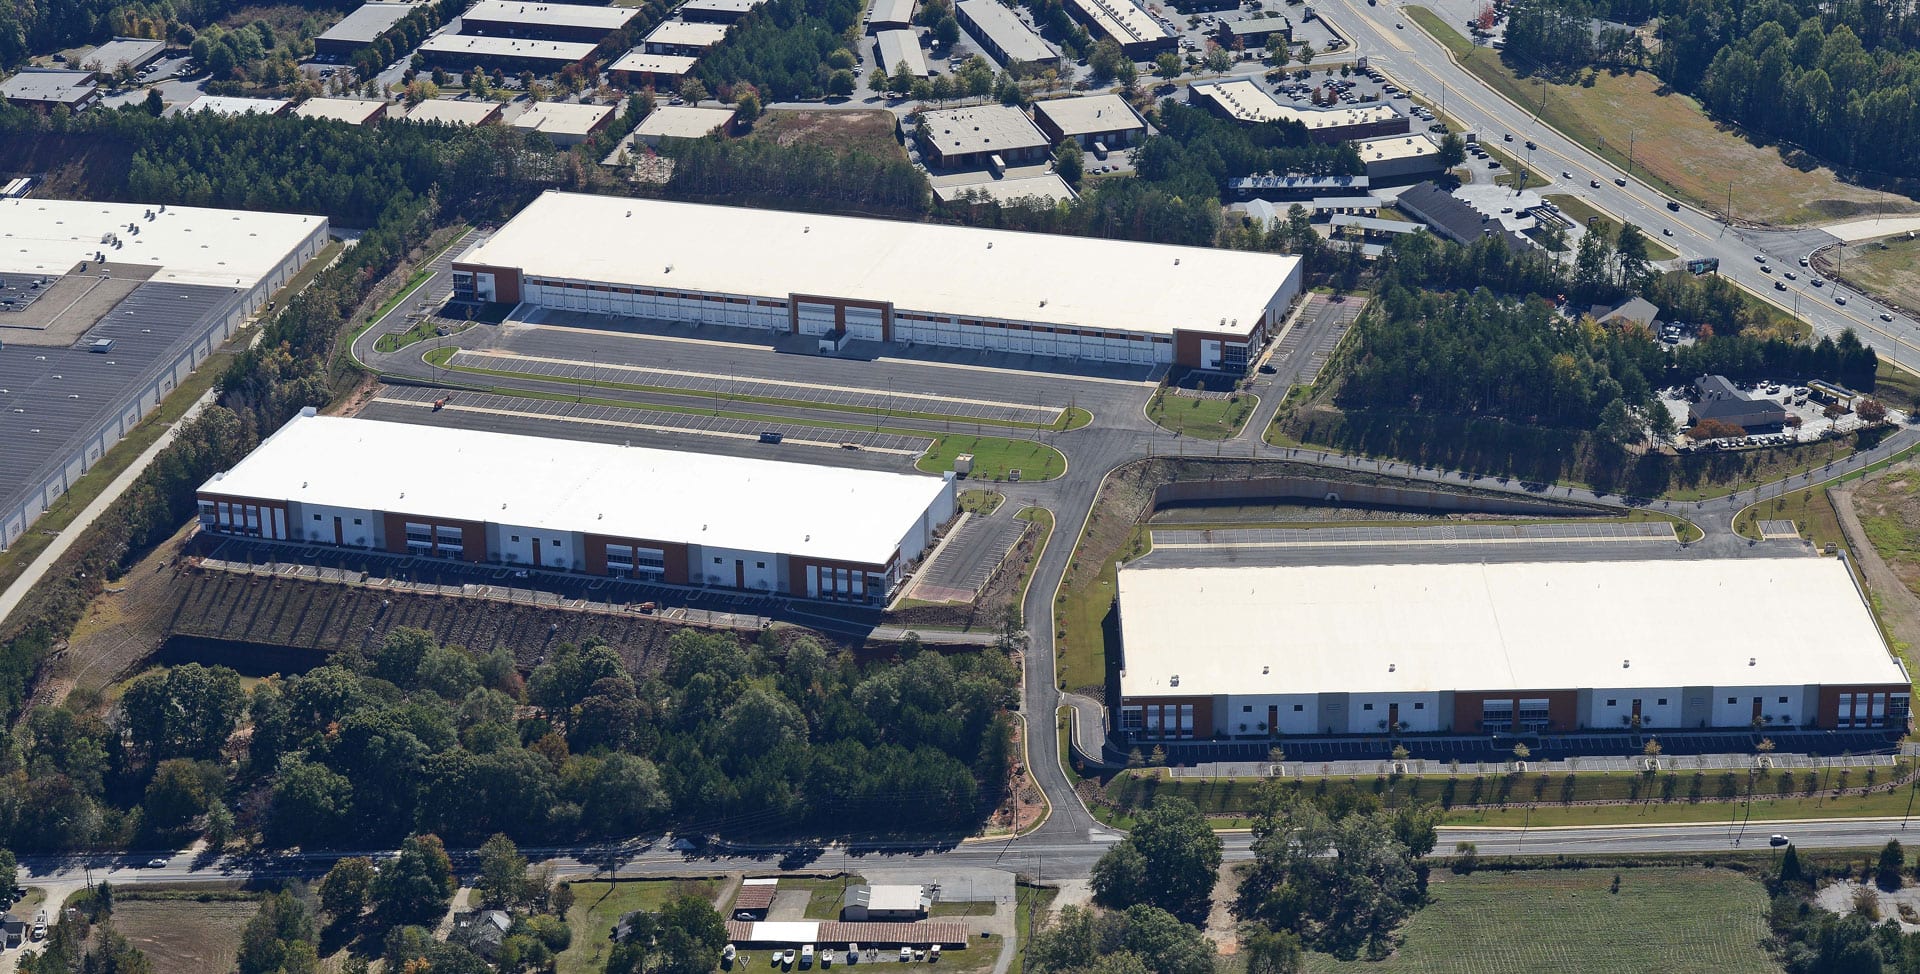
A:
(354, 111)
(687, 33)
(1248, 102)
(226, 105)
(683, 122)
(982, 128)
(1509, 626)
(1122, 20)
(1395, 147)
(638, 59)
(895, 897)
(367, 23)
(566, 485)
(891, 12)
(1090, 113)
(901, 47)
(49, 84)
(565, 118)
(727, 7)
(785, 931)
(453, 112)
(1005, 30)
(110, 56)
(552, 14)
(1047, 186)
(191, 245)
(923, 267)
(506, 47)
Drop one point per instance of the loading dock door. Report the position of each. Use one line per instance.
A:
(866, 324)
(815, 318)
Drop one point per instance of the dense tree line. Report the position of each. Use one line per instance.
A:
(421, 737)
(1867, 938)
(1135, 940)
(799, 175)
(1839, 80)
(788, 49)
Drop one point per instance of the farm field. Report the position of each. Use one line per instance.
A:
(1677, 921)
(185, 936)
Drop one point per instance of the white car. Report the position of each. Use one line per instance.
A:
(156, 863)
(1839, 299)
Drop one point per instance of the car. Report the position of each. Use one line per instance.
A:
(806, 956)
(1673, 205)
(1776, 840)
(157, 863)
(1507, 137)
(1530, 144)
(1791, 276)
(1779, 285)
(933, 953)
(1759, 258)
(1886, 316)
(1666, 231)
(1564, 174)
(1817, 282)
(1493, 164)
(1399, 26)
(1840, 299)
(1593, 184)
(39, 931)
(1766, 268)
(1266, 368)
(1619, 180)
(1803, 262)
(769, 436)
(727, 955)
(853, 953)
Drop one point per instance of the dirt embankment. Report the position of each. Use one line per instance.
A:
(1880, 515)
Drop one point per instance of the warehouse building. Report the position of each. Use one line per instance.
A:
(983, 135)
(683, 37)
(639, 67)
(1400, 157)
(1094, 121)
(886, 280)
(353, 111)
(45, 89)
(165, 286)
(1550, 647)
(896, 903)
(575, 22)
(680, 518)
(1004, 36)
(682, 122)
(1137, 32)
(565, 123)
(1243, 101)
(898, 47)
(890, 15)
(1456, 219)
(460, 52)
(360, 29)
(132, 53)
(233, 107)
(717, 11)
(454, 111)
(1276, 188)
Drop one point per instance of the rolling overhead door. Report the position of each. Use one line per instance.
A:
(815, 318)
(866, 324)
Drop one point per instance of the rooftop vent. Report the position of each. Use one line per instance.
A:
(1174, 680)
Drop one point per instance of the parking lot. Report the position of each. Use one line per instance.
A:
(1679, 750)
(1434, 534)
(1315, 334)
(968, 558)
(1813, 423)
(645, 427)
(887, 401)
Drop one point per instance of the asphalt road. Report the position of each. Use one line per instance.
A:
(1423, 64)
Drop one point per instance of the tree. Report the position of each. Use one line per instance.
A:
(1871, 411)
(503, 874)
(1170, 860)
(693, 91)
(156, 105)
(746, 107)
(1270, 951)
(1279, 54)
(840, 84)
(1453, 151)
(1616, 424)
(1069, 161)
(691, 935)
(1893, 862)
(1521, 751)
(902, 81)
(416, 886)
(1219, 60)
(188, 711)
(1660, 421)
(310, 802)
(268, 941)
(946, 31)
(345, 888)
(1306, 53)
(1790, 866)
(1105, 60)
(1167, 65)
(179, 792)
(1630, 249)
(1466, 858)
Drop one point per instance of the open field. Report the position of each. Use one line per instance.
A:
(871, 132)
(995, 458)
(1890, 268)
(1675, 146)
(1678, 921)
(598, 905)
(1580, 211)
(1889, 511)
(185, 936)
(1206, 418)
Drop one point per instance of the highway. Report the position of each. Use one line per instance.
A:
(1423, 65)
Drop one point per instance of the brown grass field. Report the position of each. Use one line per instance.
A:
(185, 936)
(1890, 268)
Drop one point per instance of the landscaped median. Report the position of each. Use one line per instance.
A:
(1217, 417)
(1071, 418)
(995, 458)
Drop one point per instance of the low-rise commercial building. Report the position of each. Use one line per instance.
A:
(886, 280)
(1719, 400)
(353, 111)
(954, 138)
(641, 68)
(565, 123)
(1004, 36)
(361, 29)
(1545, 647)
(1243, 101)
(454, 111)
(130, 53)
(1252, 34)
(461, 52)
(1454, 218)
(1137, 32)
(45, 89)
(1275, 188)
(898, 47)
(794, 529)
(230, 106)
(890, 15)
(682, 122)
(894, 903)
(545, 21)
(717, 11)
(985, 187)
(1103, 120)
(1400, 157)
(684, 37)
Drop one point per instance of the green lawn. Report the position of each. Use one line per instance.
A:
(1675, 147)
(1676, 921)
(1080, 648)
(599, 904)
(824, 895)
(980, 501)
(1028, 900)
(422, 330)
(1207, 418)
(1580, 211)
(995, 458)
